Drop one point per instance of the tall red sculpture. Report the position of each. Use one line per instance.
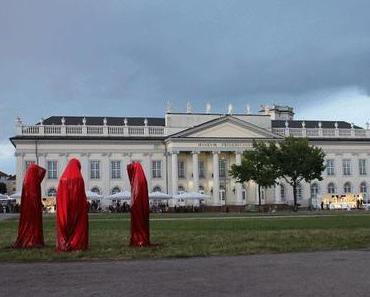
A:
(30, 234)
(72, 210)
(139, 206)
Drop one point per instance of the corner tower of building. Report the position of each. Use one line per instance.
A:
(278, 112)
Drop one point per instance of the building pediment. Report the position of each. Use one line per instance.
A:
(226, 127)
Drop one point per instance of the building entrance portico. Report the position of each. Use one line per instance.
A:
(208, 171)
(202, 157)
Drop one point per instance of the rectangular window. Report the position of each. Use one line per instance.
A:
(362, 166)
(181, 169)
(202, 169)
(52, 167)
(115, 169)
(330, 167)
(346, 167)
(156, 169)
(94, 169)
(28, 163)
(282, 193)
(222, 168)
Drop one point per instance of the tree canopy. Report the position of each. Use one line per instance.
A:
(293, 160)
(296, 160)
(257, 165)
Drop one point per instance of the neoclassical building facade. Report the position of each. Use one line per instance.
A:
(190, 152)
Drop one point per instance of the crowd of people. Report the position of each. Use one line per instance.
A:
(119, 208)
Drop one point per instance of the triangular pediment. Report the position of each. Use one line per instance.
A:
(226, 127)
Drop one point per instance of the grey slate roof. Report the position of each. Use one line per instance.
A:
(153, 121)
(98, 121)
(313, 124)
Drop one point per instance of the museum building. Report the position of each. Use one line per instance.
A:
(190, 152)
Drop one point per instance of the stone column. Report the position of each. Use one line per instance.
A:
(216, 179)
(277, 194)
(62, 163)
(147, 168)
(257, 194)
(85, 169)
(19, 171)
(238, 186)
(106, 174)
(43, 164)
(174, 173)
(338, 170)
(195, 172)
(126, 181)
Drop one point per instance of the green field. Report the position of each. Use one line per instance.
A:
(189, 235)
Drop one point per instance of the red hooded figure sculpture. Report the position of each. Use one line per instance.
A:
(139, 206)
(71, 216)
(30, 222)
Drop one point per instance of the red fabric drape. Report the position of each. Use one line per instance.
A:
(30, 233)
(72, 210)
(139, 206)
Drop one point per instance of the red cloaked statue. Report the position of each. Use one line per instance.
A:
(72, 210)
(30, 233)
(139, 206)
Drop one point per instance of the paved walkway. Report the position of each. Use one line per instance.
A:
(345, 273)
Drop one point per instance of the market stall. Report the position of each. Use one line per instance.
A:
(346, 201)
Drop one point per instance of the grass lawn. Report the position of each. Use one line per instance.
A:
(201, 235)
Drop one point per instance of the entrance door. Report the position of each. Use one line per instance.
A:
(222, 195)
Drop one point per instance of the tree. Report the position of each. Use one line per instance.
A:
(2, 188)
(257, 165)
(296, 160)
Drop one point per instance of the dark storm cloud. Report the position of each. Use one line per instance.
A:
(68, 57)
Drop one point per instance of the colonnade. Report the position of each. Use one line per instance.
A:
(195, 177)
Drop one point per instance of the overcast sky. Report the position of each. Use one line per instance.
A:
(128, 58)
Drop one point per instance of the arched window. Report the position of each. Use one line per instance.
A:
(363, 191)
(52, 192)
(244, 194)
(115, 190)
(282, 193)
(222, 193)
(331, 188)
(180, 189)
(262, 193)
(347, 187)
(95, 190)
(363, 187)
(299, 192)
(157, 189)
(314, 190)
(201, 189)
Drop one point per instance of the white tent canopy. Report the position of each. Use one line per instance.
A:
(159, 196)
(16, 195)
(3, 197)
(188, 198)
(93, 196)
(124, 195)
(191, 196)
